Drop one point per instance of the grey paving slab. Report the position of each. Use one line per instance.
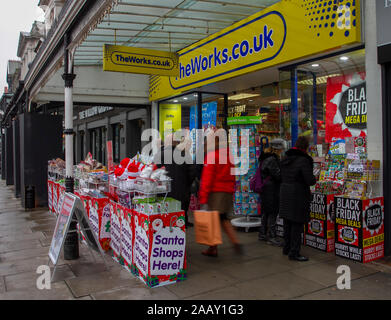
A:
(11, 232)
(201, 282)
(254, 269)
(19, 245)
(45, 242)
(11, 268)
(21, 237)
(84, 268)
(29, 279)
(372, 287)
(355, 267)
(58, 291)
(14, 256)
(137, 292)
(325, 274)
(283, 285)
(333, 294)
(2, 285)
(103, 281)
(226, 293)
(44, 227)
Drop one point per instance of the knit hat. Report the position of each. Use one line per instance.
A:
(278, 144)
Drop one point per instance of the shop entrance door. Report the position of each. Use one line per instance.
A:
(298, 105)
(134, 137)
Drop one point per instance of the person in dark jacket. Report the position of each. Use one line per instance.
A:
(295, 196)
(269, 161)
(182, 175)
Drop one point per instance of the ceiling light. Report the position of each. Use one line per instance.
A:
(319, 80)
(283, 101)
(251, 100)
(343, 58)
(175, 100)
(185, 98)
(243, 96)
(315, 65)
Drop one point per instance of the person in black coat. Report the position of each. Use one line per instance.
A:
(182, 175)
(295, 196)
(271, 175)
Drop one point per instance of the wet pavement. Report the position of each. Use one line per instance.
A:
(262, 272)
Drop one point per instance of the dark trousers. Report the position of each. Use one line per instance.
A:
(185, 207)
(268, 224)
(292, 237)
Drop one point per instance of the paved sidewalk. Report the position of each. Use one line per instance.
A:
(261, 273)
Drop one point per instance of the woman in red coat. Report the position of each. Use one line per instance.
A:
(216, 189)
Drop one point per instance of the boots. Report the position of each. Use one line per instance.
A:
(272, 238)
(210, 252)
(262, 229)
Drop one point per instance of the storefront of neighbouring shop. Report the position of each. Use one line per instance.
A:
(295, 68)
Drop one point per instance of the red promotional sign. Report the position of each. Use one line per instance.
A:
(109, 148)
(346, 107)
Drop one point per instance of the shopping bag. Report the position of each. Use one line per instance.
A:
(207, 227)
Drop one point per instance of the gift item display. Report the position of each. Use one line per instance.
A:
(130, 213)
(56, 180)
(246, 202)
(147, 227)
(343, 202)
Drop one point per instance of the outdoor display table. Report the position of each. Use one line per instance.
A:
(98, 211)
(359, 228)
(151, 245)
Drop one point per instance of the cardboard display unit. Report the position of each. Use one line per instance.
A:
(359, 228)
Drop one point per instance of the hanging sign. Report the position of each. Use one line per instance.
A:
(138, 60)
(244, 120)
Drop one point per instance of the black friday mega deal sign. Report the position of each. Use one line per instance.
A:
(359, 228)
(319, 232)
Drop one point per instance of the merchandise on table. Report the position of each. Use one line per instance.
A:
(344, 172)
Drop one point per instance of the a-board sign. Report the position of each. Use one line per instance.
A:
(62, 226)
(72, 208)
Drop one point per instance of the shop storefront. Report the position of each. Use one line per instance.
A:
(97, 124)
(281, 77)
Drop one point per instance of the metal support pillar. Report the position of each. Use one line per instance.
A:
(71, 246)
(294, 107)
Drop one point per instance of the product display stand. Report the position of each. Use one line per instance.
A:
(246, 222)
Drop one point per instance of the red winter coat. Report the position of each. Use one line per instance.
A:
(216, 177)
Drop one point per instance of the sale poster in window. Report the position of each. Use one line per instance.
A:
(346, 107)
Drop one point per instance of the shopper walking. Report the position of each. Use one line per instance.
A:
(269, 169)
(295, 196)
(216, 189)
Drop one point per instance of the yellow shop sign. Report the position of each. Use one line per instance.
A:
(284, 32)
(138, 60)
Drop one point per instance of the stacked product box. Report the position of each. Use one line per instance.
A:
(97, 207)
(150, 239)
(359, 228)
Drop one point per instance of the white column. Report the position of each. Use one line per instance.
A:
(373, 83)
(68, 137)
